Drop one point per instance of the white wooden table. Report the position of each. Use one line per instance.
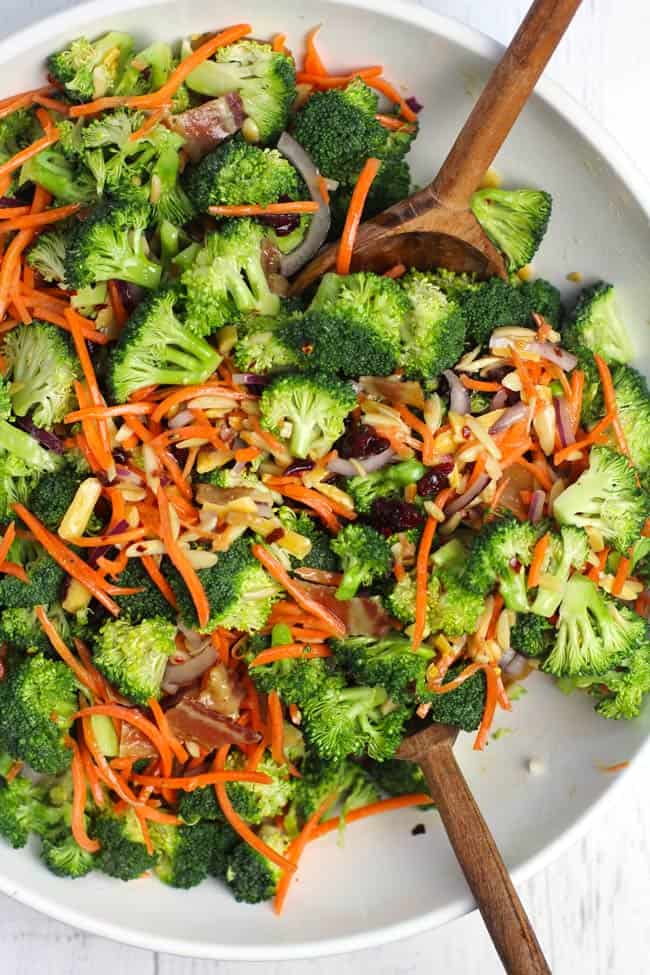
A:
(591, 908)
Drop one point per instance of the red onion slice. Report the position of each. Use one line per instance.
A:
(553, 353)
(459, 503)
(45, 438)
(459, 400)
(373, 463)
(250, 379)
(182, 419)
(563, 421)
(536, 507)
(320, 223)
(499, 400)
(511, 416)
(189, 671)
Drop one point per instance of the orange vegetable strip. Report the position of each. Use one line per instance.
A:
(26, 98)
(421, 579)
(538, 473)
(79, 802)
(480, 385)
(428, 450)
(373, 808)
(539, 554)
(238, 824)
(7, 541)
(91, 334)
(148, 124)
(496, 612)
(609, 396)
(165, 731)
(490, 707)
(324, 507)
(437, 687)
(94, 434)
(102, 412)
(312, 61)
(292, 651)
(186, 393)
(278, 43)
(12, 569)
(276, 726)
(622, 575)
(15, 770)
(156, 576)
(592, 437)
(10, 261)
(527, 385)
(325, 82)
(92, 777)
(498, 494)
(355, 212)
(120, 538)
(391, 93)
(323, 189)
(41, 219)
(255, 210)
(134, 717)
(120, 313)
(52, 103)
(8, 213)
(297, 848)
(106, 773)
(21, 157)
(181, 562)
(577, 390)
(175, 80)
(596, 570)
(277, 571)
(396, 272)
(64, 652)
(394, 124)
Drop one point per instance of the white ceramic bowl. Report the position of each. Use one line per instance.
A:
(387, 884)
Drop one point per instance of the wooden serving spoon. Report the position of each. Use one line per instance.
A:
(435, 226)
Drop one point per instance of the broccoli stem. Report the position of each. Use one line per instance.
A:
(21, 445)
(349, 584)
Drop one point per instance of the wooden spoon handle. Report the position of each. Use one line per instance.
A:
(501, 101)
(485, 871)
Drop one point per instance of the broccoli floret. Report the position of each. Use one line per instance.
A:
(365, 556)
(463, 707)
(239, 591)
(339, 130)
(605, 497)
(47, 255)
(91, 69)
(54, 494)
(38, 698)
(593, 632)
(236, 172)
(184, 853)
(23, 810)
(66, 179)
(224, 842)
(123, 853)
(532, 636)
(321, 554)
(256, 802)
(451, 608)
(142, 605)
(490, 304)
(313, 406)
(592, 393)
(200, 804)
(110, 243)
(386, 483)
(227, 279)
(17, 130)
(134, 656)
(264, 79)
(621, 692)
(296, 680)
(498, 555)
(565, 552)
(397, 777)
(64, 857)
(352, 326)
(514, 220)
(389, 662)
(633, 407)
(42, 367)
(21, 629)
(434, 331)
(155, 347)
(595, 323)
(148, 71)
(344, 721)
(320, 779)
(259, 348)
(251, 877)
(45, 579)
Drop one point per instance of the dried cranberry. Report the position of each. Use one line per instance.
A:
(467, 433)
(298, 466)
(390, 516)
(435, 480)
(119, 456)
(515, 564)
(130, 294)
(283, 223)
(414, 104)
(360, 441)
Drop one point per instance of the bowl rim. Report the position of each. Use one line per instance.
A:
(602, 141)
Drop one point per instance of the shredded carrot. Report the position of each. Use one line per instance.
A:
(391, 93)
(479, 384)
(527, 385)
(238, 824)
(536, 470)
(317, 502)
(618, 767)
(324, 190)
(79, 797)
(592, 437)
(7, 541)
(191, 782)
(8, 213)
(118, 538)
(355, 212)
(490, 707)
(278, 43)
(16, 769)
(494, 618)
(394, 124)
(428, 446)
(372, 809)
(163, 726)
(609, 395)
(64, 652)
(277, 571)
(498, 494)
(165, 94)
(120, 313)
(186, 393)
(25, 154)
(134, 717)
(539, 555)
(148, 124)
(246, 454)
(107, 774)
(254, 210)
(24, 100)
(298, 847)
(577, 390)
(398, 271)
(52, 103)
(92, 776)
(421, 580)
(15, 570)
(312, 62)
(103, 412)
(327, 82)
(622, 574)
(181, 562)
(276, 727)
(32, 220)
(595, 571)
(156, 576)
(11, 257)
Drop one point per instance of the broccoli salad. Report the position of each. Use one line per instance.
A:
(247, 537)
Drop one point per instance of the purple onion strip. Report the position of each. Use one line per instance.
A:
(511, 416)
(44, 437)
(563, 421)
(459, 401)
(536, 507)
(462, 502)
